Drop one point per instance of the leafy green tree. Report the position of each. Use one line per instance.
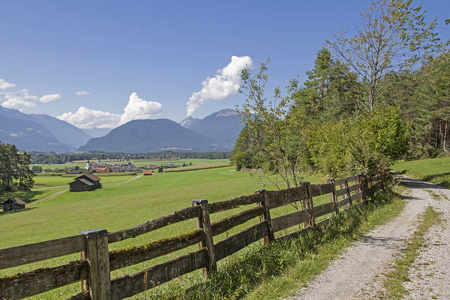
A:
(271, 126)
(329, 93)
(393, 37)
(15, 172)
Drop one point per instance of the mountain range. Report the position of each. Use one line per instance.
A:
(39, 132)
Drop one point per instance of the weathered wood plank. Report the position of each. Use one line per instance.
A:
(26, 254)
(344, 202)
(97, 255)
(130, 285)
(341, 192)
(350, 179)
(134, 255)
(324, 209)
(302, 231)
(215, 207)
(353, 188)
(289, 220)
(339, 181)
(235, 220)
(284, 197)
(175, 217)
(356, 196)
(42, 280)
(321, 189)
(241, 240)
(204, 222)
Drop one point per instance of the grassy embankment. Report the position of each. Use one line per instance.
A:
(435, 170)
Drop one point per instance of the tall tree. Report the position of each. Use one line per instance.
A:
(15, 172)
(271, 124)
(330, 92)
(393, 37)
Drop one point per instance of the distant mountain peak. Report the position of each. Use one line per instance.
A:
(189, 121)
(226, 113)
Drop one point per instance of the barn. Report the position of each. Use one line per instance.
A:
(13, 204)
(148, 172)
(85, 182)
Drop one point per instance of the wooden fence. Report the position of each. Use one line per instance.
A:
(96, 263)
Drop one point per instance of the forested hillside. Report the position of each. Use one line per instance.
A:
(378, 95)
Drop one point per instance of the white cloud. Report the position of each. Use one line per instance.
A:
(5, 85)
(50, 97)
(82, 93)
(19, 99)
(136, 109)
(88, 118)
(139, 109)
(222, 86)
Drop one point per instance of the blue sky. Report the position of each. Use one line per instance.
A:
(147, 59)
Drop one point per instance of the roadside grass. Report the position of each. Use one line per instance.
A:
(277, 270)
(435, 170)
(399, 274)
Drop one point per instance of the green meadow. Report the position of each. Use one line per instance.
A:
(436, 170)
(123, 202)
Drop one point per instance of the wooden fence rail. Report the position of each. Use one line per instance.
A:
(96, 263)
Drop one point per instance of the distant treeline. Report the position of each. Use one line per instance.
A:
(61, 158)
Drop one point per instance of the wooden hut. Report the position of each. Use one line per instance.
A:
(148, 172)
(13, 204)
(85, 182)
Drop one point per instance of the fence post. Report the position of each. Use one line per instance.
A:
(266, 217)
(204, 222)
(369, 185)
(382, 176)
(310, 204)
(97, 255)
(360, 187)
(333, 197)
(348, 192)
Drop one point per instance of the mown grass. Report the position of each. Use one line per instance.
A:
(399, 274)
(435, 170)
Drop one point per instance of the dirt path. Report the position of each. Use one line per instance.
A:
(358, 273)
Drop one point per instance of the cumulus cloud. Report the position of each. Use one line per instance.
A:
(19, 99)
(50, 97)
(139, 109)
(222, 86)
(88, 118)
(82, 93)
(5, 85)
(135, 109)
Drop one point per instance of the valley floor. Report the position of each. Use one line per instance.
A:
(360, 272)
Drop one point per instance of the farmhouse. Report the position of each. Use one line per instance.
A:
(85, 182)
(13, 204)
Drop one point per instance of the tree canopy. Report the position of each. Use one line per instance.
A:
(15, 172)
(370, 99)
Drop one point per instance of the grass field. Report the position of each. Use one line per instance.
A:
(435, 170)
(123, 202)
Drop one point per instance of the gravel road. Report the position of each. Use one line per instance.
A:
(358, 273)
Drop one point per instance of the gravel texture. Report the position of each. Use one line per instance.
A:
(358, 273)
